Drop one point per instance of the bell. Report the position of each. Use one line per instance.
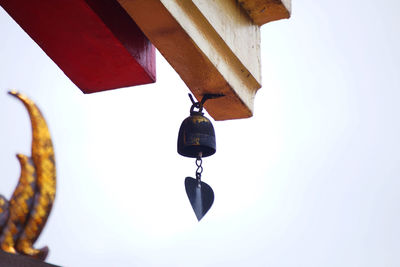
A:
(196, 136)
(196, 139)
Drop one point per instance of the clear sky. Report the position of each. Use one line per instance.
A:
(311, 180)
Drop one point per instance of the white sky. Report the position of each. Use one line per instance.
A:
(311, 180)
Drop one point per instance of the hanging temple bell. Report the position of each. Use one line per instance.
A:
(196, 139)
(196, 136)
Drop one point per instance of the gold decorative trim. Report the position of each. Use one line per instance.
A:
(23, 218)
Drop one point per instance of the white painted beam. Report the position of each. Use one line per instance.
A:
(263, 11)
(212, 45)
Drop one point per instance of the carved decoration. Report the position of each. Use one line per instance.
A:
(24, 216)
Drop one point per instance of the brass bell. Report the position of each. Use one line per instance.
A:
(196, 135)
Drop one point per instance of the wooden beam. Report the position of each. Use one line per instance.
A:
(14, 260)
(212, 45)
(263, 11)
(94, 42)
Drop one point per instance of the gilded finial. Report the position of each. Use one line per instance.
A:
(23, 218)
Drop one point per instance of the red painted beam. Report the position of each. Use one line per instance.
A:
(94, 42)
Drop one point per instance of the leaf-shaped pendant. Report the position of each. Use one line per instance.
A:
(200, 195)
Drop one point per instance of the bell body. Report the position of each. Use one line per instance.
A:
(196, 136)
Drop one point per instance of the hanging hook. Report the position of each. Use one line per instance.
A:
(200, 104)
